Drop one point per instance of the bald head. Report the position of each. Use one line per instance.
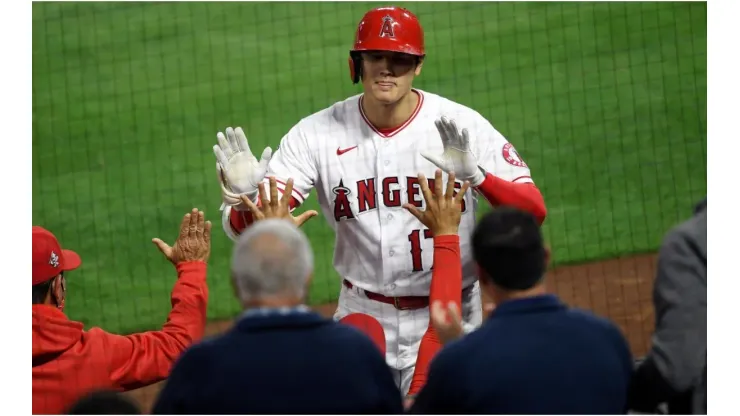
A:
(271, 259)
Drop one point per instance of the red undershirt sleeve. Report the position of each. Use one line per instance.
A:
(524, 196)
(446, 287)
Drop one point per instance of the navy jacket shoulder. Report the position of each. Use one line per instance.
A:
(533, 356)
(295, 363)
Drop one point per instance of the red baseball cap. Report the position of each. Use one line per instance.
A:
(49, 259)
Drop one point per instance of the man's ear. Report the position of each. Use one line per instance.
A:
(235, 288)
(309, 279)
(419, 64)
(482, 278)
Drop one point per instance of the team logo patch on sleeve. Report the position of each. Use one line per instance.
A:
(512, 157)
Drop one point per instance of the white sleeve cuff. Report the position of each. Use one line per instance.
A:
(226, 224)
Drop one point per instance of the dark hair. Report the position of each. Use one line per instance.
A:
(40, 291)
(104, 403)
(508, 246)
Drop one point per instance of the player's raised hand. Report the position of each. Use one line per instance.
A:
(457, 156)
(275, 207)
(238, 169)
(443, 208)
(193, 243)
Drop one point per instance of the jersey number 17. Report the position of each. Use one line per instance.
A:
(415, 240)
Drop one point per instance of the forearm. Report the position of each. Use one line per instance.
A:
(187, 319)
(524, 196)
(446, 283)
(446, 287)
(145, 358)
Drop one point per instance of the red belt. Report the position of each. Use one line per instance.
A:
(400, 302)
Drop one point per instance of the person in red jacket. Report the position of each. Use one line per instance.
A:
(69, 362)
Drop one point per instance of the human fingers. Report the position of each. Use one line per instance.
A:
(424, 185)
(274, 200)
(450, 192)
(193, 225)
(416, 212)
(461, 193)
(438, 184)
(302, 218)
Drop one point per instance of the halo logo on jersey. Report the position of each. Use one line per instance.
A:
(511, 156)
(342, 208)
(387, 29)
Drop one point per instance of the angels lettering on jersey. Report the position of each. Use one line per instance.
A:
(393, 192)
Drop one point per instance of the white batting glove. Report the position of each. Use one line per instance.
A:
(457, 156)
(239, 171)
(229, 198)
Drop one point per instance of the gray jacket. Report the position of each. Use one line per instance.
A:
(675, 370)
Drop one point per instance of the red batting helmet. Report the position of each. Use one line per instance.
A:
(393, 29)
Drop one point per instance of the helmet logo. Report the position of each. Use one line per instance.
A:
(387, 29)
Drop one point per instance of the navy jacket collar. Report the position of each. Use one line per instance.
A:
(271, 319)
(527, 305)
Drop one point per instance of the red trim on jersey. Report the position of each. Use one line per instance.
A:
(388, 133)
(521, 177)
(524, 196)
(239, 220)
(446, 287)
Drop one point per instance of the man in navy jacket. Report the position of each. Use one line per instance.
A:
(533, 354)
(280, 357)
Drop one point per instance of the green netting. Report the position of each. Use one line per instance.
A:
(605, 101)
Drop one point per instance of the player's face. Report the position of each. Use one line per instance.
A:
(388, 75)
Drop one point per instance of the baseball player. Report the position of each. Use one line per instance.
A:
(362, 157)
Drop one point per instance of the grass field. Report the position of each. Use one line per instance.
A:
(605, 101)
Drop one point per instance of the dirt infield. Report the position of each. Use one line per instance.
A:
(619, 289)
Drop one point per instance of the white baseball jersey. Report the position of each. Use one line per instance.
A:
(363, 177)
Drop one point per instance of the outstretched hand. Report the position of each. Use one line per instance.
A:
(276, 207)
(239, 171)
(443, 209)
(193, 243)
(457, 155)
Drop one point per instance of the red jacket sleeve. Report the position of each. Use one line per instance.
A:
(140, 359)
(446, 287)
(524, 196)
